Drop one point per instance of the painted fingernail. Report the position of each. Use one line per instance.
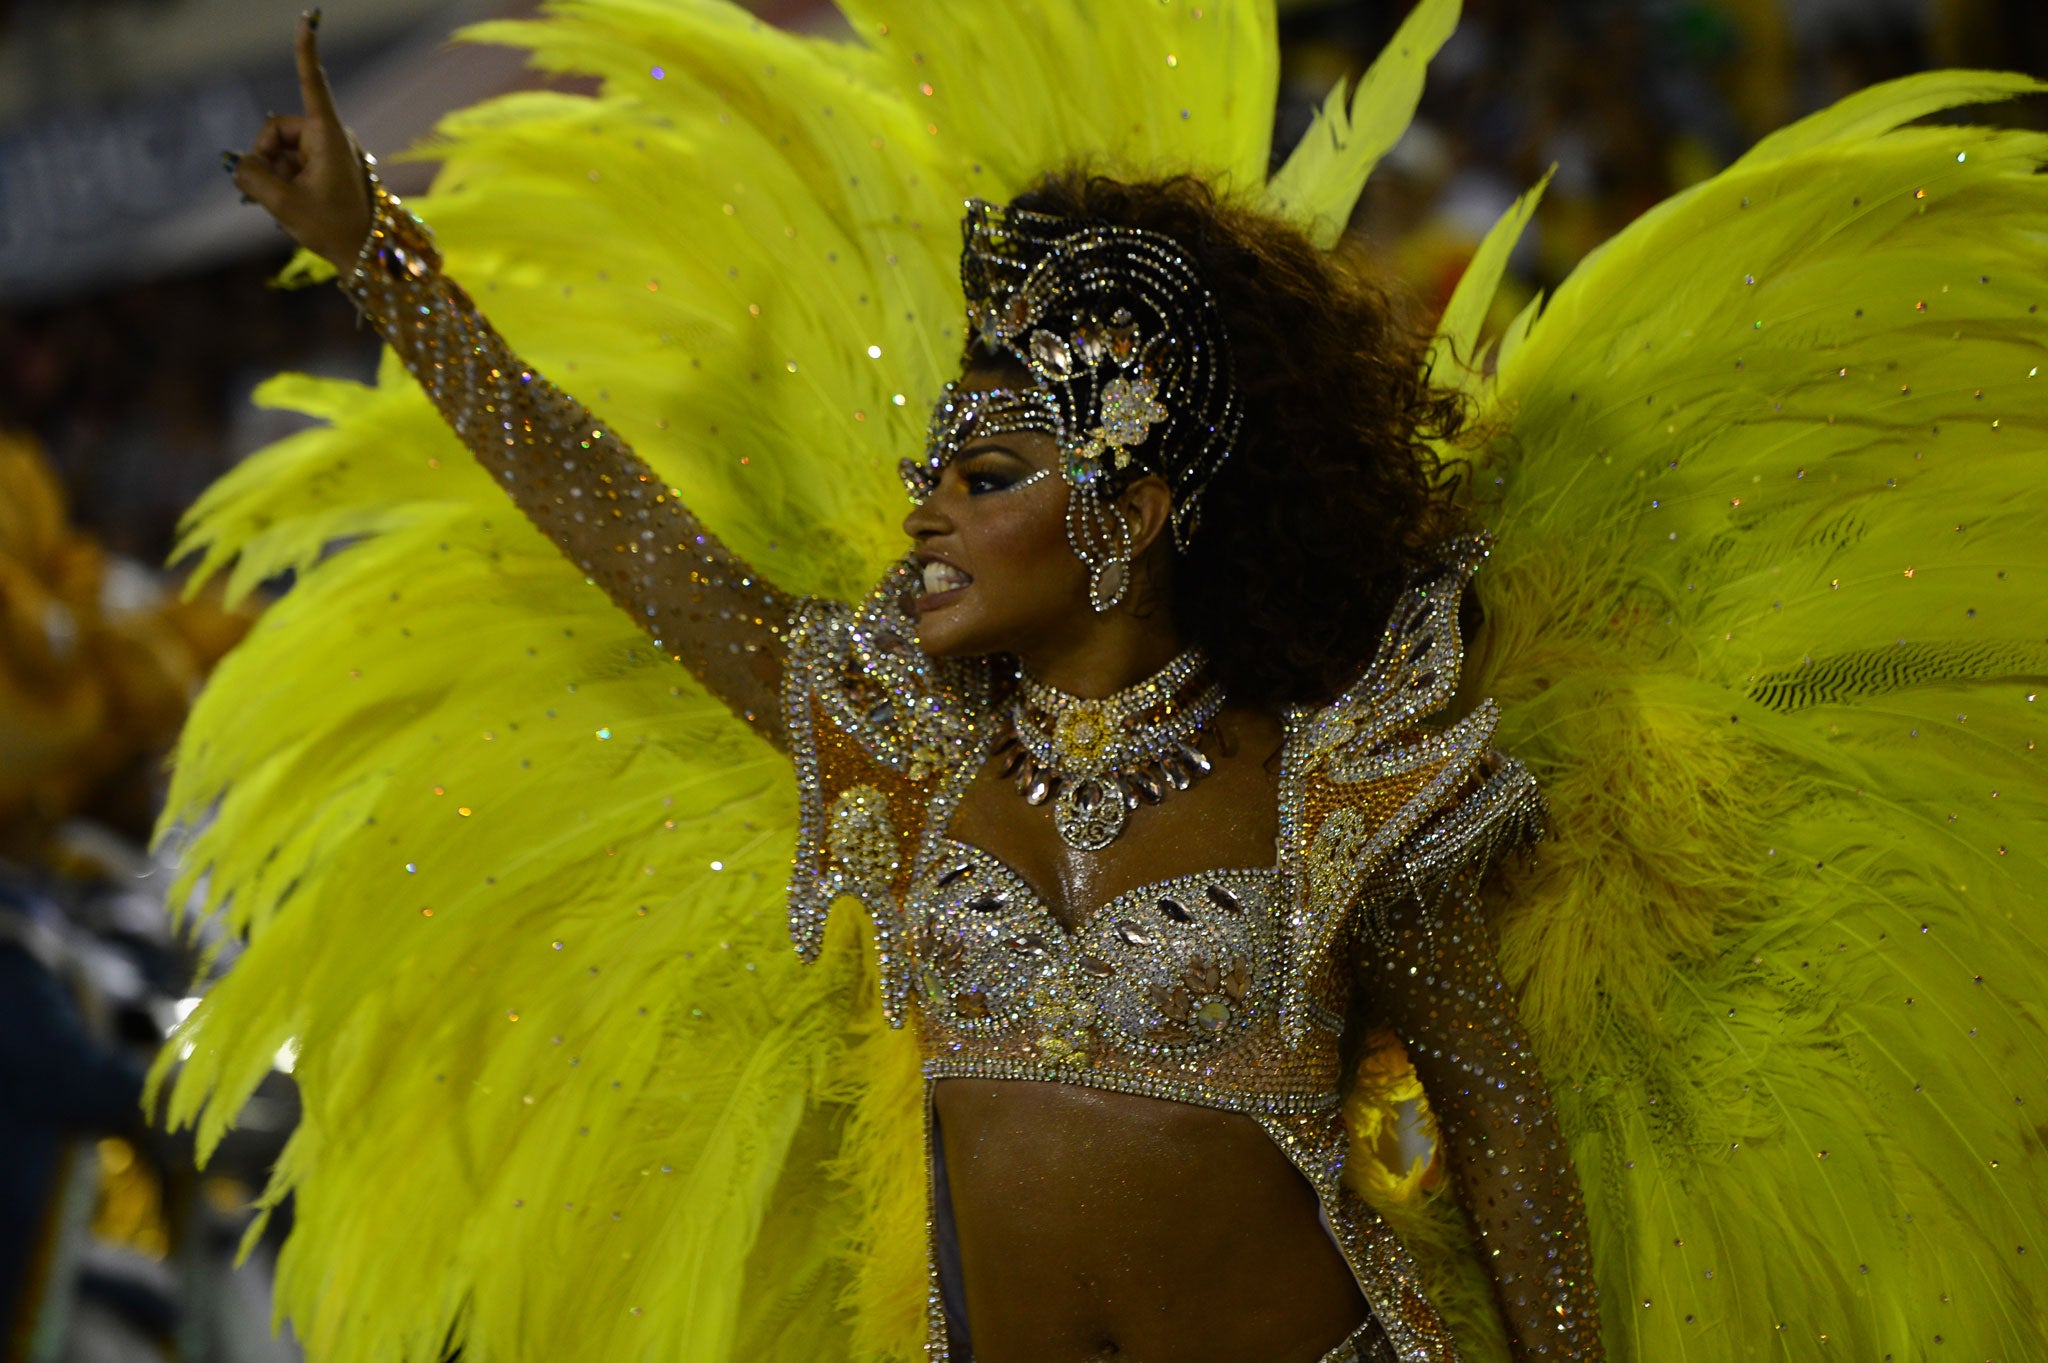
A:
(313, 18)
(229, 160)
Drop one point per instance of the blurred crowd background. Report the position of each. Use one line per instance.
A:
(136, 318)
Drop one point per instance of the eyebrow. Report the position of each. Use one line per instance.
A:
(976, 447)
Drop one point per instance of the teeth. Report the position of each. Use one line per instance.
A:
(943, 577)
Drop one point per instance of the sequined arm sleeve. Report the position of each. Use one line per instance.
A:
(573, 476)
(1430, 964)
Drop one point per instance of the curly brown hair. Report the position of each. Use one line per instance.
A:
(1334, 494)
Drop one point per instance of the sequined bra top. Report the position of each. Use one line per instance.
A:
(1227, 988)
(1168, 990)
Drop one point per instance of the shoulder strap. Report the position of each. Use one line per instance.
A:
(874, 722)
(1360, 775)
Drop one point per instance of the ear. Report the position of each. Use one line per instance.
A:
(1147, 506)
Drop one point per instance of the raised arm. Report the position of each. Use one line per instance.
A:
(1431, 966)
(566, 469)
(573, 476)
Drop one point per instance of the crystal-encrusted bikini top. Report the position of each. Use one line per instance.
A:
(1169, 990)
(1224, 987)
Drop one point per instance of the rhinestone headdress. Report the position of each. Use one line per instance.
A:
(1129, 363)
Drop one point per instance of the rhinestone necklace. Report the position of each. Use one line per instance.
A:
(1096, 760)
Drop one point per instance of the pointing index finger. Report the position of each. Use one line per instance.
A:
(314, 90)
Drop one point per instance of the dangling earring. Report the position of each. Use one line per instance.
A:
(1101, 539)
(1110, 583)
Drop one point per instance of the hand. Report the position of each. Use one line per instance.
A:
(306, 170)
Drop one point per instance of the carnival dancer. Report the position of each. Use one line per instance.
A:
(1158, 764)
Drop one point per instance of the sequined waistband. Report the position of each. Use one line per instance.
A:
(1220, 1096)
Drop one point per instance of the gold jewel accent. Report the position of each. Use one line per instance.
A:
(1067, 1021)
(1082, 735)
(860, 835)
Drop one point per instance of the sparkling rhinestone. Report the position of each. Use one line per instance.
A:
(1050, 351)
(1223, 899)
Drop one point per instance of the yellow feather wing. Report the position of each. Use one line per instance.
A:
(1767, 614)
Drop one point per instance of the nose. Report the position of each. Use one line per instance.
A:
(926, 521)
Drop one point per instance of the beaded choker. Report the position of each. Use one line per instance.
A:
(1097, 760)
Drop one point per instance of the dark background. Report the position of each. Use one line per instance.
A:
(134, 317)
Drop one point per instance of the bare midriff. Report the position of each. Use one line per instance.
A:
(1095, 1224)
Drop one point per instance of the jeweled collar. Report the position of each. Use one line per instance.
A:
(1097, 760)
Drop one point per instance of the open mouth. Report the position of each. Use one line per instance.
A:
(942, 579)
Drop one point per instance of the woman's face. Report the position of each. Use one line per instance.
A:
(991, 539)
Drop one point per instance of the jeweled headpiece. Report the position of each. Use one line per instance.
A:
(1129, 363)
